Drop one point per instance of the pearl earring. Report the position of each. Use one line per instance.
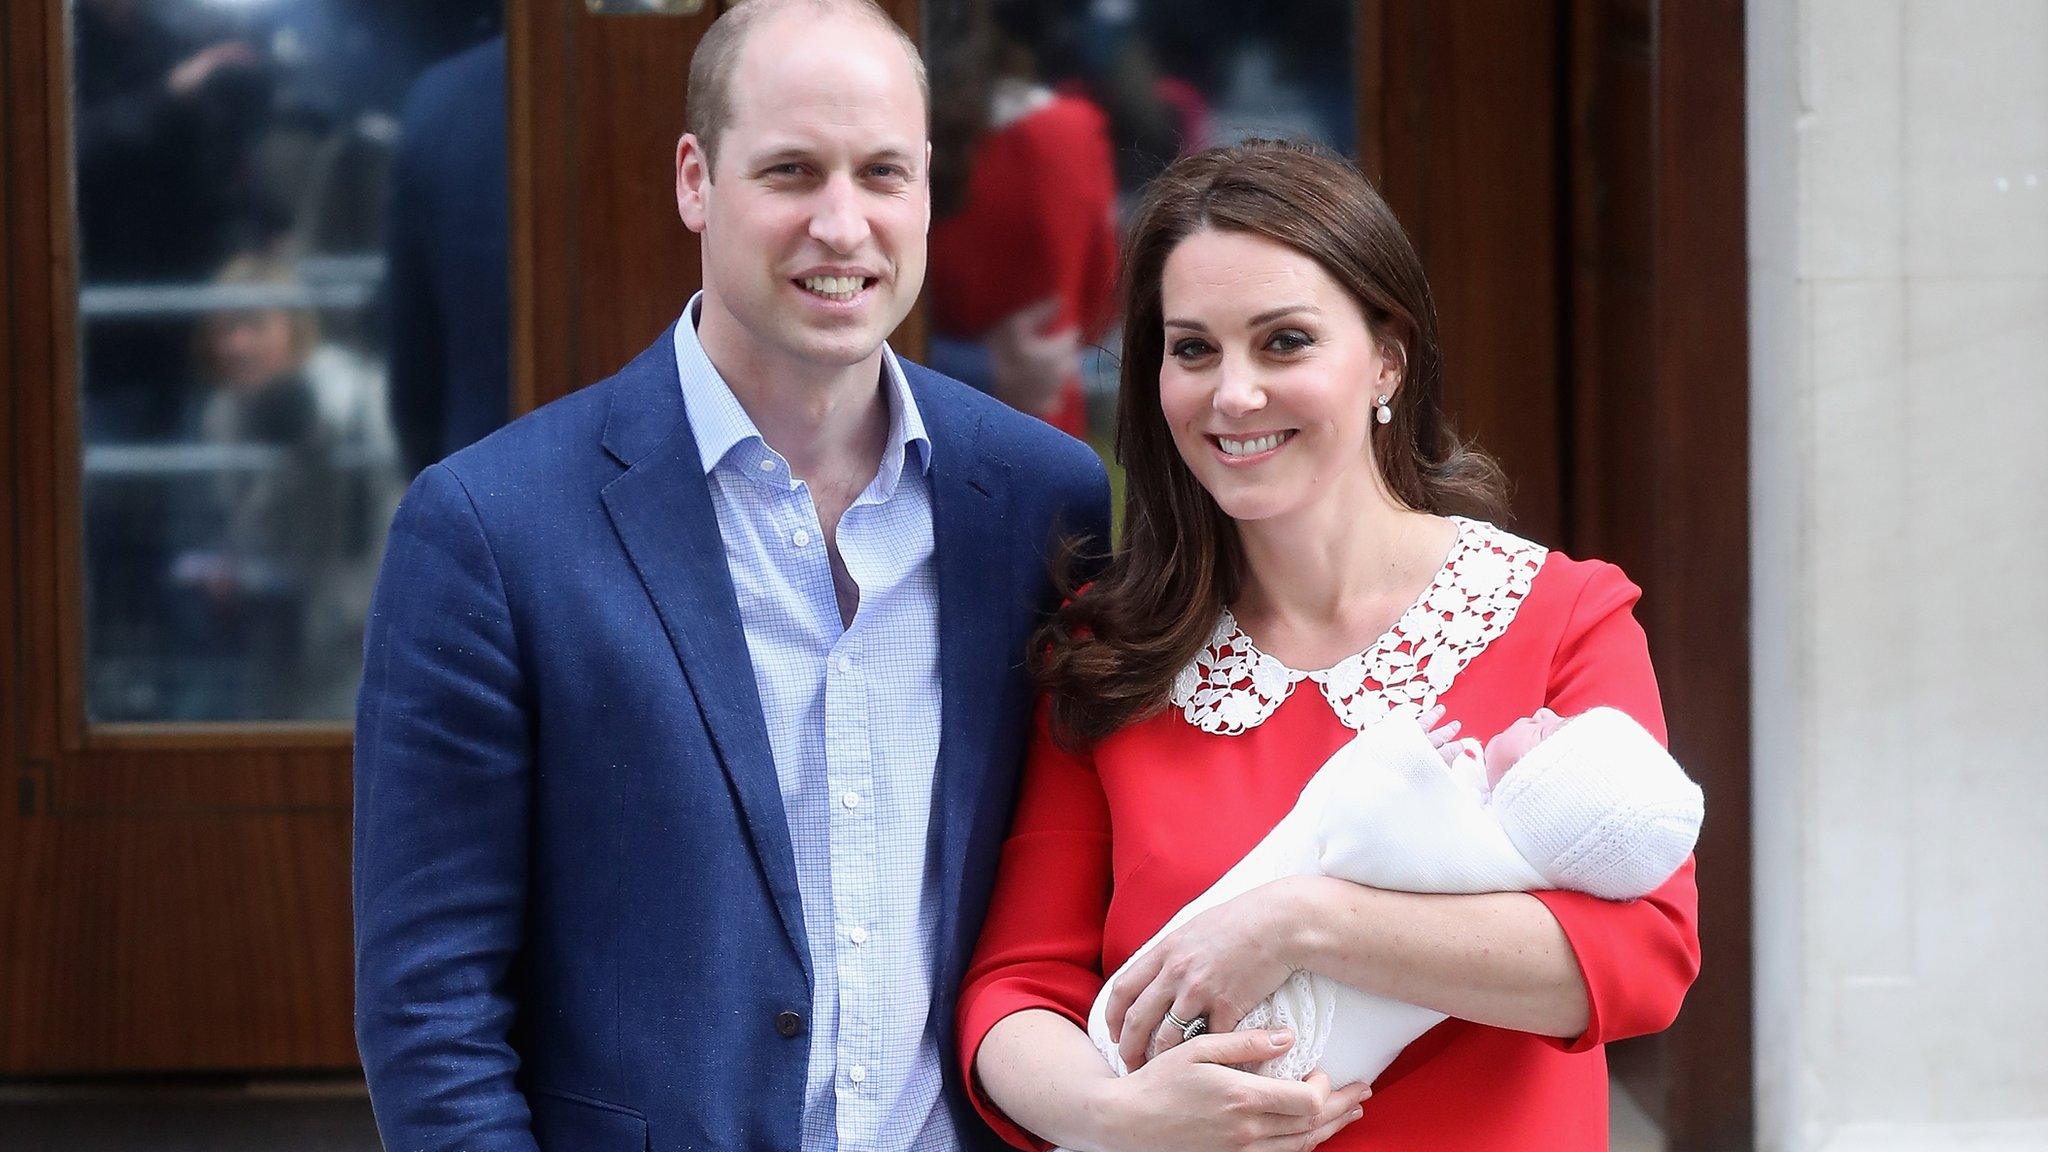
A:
(1385, 415)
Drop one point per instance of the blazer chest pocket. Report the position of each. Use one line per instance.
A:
(566, 1122)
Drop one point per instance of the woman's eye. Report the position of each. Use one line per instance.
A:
(1289, 340)
(1189, 348)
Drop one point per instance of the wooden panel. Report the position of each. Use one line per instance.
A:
(1613, 254)
(1660, 477)
(602, 264)
(32, 186)
(635, 263)
(10, 590)
(1469, 162)
(16, 248)
(158, 784)
(179, 937)
(1702, 327)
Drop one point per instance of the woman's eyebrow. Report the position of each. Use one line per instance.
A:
(1266, 317)
(1272, 314)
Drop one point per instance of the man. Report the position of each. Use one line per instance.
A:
(693, 702)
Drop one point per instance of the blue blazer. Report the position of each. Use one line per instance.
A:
(577, 921)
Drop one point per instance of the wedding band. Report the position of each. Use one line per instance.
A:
(1179, 1025)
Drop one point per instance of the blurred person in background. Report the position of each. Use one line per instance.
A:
(448, 308)
(1023, 240)
(279, 544)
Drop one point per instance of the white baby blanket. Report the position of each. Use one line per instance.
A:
(1597, 807)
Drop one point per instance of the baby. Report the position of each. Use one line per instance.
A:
(1590, 803)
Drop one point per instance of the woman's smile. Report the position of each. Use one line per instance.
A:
(1248, 448)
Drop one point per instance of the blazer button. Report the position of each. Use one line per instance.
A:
(789, 1024)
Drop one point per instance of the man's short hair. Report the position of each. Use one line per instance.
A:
(708, 102)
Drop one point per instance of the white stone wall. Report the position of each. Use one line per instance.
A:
(1898, 165)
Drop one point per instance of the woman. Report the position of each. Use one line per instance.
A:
(1290, 489)
(1023, 246)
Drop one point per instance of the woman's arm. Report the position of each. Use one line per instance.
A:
(1500, 958)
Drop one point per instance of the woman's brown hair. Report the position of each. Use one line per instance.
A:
(1110, 654)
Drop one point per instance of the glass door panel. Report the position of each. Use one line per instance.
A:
(292, 294)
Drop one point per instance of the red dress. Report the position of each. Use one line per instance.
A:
(1106, 846)
(1039, 221)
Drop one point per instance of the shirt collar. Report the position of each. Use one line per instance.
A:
(720, 424)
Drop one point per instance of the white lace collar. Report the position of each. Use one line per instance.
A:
(1231, 687)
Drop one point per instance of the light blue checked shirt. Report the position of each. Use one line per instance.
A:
(853, 722)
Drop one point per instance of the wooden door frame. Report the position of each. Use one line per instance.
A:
(1660, 405)
(173, 897)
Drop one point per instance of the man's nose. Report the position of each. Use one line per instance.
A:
(837, 220)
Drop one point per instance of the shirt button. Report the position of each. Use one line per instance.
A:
(857, 934)
(846, 663)
(858, 1073)
(802, 537)
(851, 799)
(789, 1024)
(767, 464)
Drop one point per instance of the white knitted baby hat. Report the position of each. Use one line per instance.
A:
(1599, 807)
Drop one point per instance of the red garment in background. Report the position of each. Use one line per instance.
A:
(1040, 221)
(1105, 847)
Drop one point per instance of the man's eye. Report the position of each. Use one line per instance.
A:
(888, 172)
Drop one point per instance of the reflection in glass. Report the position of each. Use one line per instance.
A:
(1048, 117)
(241, 455)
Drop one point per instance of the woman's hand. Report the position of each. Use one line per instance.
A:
(1191, 1100)
(1219, 965)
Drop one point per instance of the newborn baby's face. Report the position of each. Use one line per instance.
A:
(1506, 749)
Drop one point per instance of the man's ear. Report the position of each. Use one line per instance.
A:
(927, 186)
(693, 181)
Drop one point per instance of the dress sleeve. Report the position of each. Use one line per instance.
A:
(1041, 945)
(1638, 956)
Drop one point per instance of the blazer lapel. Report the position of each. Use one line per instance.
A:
(661, 509)
(970, 508)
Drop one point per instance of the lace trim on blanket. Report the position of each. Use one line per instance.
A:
(1231, 687)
